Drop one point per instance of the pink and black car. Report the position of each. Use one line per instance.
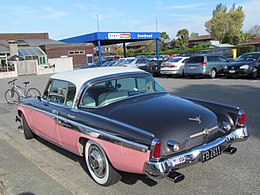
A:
(121, 119)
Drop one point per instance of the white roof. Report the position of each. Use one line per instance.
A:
(78, 77)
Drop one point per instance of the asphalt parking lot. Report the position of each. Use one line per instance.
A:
(38, 167)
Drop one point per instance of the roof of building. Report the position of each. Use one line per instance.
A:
(79, 77)
(4, 49)
(14, 36)
(138, 43)
(68, 45)
(253, 42)
(201, 38)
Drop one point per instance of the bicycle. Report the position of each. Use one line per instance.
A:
(16, 92)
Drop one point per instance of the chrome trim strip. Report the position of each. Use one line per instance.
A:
(95, 132)
(162, 168)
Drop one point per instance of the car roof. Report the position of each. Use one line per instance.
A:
(79, 77)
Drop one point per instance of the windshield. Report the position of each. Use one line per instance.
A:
(129, 61)
(247, 57)
(174, 60)
(113, 90)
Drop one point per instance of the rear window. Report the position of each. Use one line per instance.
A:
(174, 60)
(196, 59)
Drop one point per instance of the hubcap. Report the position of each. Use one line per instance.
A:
(97, 162)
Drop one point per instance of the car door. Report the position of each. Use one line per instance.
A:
(223, 62)
(67, 128)
(48, 110)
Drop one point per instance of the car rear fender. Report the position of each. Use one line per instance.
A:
(224, 112)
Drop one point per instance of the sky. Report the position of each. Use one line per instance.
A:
(69, 18)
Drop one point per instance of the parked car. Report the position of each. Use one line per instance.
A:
(95, 64)
(109, 63)
(174, 66)
(135, 62)
(121, 119)
(155, 66)
(207, 65)
(247, 64)
(122, 60)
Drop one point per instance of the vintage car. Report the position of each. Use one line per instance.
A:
(121, 119)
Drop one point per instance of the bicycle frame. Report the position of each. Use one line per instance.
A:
(21, 91)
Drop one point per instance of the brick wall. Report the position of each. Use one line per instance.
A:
(57, 51)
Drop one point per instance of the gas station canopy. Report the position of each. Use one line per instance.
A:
(109, 38)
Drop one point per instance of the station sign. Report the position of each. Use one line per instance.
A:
(119, 35)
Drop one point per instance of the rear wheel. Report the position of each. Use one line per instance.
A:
(28, 134)
(98, 165)
(213, 73)
(11, 96)
(33, 93)
(254, 73)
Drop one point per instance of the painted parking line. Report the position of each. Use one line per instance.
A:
(255, 81)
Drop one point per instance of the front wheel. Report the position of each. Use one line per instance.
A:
(11, 96)
(28, 134)
(98, 165)
(33, 93)
(254, 73)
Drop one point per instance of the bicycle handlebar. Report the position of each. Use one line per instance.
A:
(12, 81)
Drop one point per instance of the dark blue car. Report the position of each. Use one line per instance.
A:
(247, 64)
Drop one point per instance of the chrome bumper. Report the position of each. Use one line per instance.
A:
(162, 168)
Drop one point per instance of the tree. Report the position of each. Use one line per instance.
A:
(164, 41)
(226, 24)
(182, 38)
(255, 30)
(194, 35)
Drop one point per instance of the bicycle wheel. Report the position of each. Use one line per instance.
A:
(11, 96)
(33, 93)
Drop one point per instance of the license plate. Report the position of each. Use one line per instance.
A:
(211, 153)
(232, 71)
(192, 67)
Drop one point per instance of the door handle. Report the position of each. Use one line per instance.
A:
(55, 112)
(71, 116)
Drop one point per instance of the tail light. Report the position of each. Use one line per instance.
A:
(203, 64)
(157, 150)
(162, 66)
(173, 66)
(242, 119)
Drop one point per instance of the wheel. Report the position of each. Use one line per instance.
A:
(33, 93)
(28, 134)
(254, 73)
(98, 165)
(11, 96)
(213, 73)
(182, 74)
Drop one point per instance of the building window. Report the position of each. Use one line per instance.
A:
(77, 52)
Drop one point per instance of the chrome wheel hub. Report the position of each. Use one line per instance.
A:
(97, 162)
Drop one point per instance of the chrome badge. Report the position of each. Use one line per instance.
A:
(196, 119)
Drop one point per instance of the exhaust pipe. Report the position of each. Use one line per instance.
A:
(175, 176)
(230, 150)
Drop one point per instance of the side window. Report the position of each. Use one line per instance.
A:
(127, 83)
(210, 59)
(222, 59)
(71, 94)
(60, 92)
